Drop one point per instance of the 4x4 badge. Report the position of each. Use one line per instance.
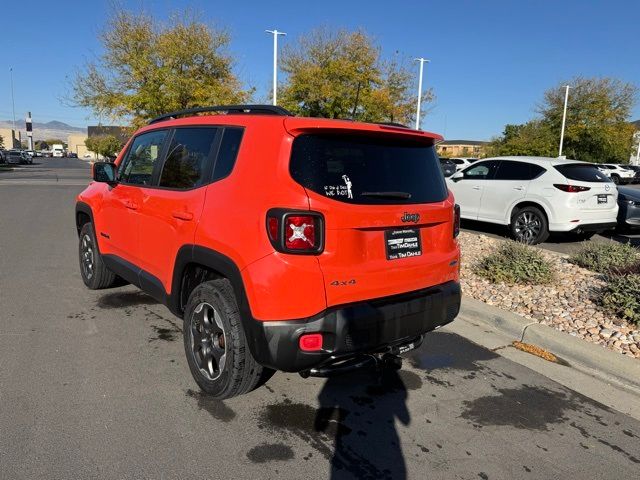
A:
(410, 217)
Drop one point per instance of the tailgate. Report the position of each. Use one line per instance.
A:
(388, 214)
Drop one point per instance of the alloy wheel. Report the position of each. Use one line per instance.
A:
(88, 258)
(208, 345)
(527, 227)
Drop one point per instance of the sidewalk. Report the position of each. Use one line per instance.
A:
(604, 375)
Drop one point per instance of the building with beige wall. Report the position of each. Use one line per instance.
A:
(75, 144)
(461, 148)
(7, 134)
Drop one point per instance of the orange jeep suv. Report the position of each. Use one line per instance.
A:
(285, 243)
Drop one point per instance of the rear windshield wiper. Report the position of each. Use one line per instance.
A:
(403, 195)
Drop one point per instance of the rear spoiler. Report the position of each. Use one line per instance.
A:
(298, 126)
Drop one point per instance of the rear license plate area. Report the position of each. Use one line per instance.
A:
(602, 199)
(402, 243)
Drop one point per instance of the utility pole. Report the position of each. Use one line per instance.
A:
(564, 119)
(422, 62)
(275, 34)
(638, 152)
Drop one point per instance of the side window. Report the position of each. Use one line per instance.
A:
(187, 158)
(509, 170)
(480, 171)
(137, 167)
(228, 152)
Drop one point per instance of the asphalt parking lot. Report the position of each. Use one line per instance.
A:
(95, 385)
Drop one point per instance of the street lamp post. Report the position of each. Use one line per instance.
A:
(564, 119)
(275, 34)
(422, 62)
(13, 102)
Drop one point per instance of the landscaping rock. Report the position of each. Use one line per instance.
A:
(568, 305)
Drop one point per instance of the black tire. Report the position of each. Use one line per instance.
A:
(529, 225)
(615, 179)
(215, 343)
(94, 272)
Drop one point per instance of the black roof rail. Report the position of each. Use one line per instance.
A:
(392, 124)
(253, 109)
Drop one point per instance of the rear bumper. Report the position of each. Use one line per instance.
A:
(363, 327)
(594, 227)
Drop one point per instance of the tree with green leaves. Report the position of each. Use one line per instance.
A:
(107, 146)
(340, 74)
(149, 68)
(597, 126)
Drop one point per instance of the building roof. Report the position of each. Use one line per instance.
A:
(463, 142)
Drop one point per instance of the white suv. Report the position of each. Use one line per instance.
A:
(619, 174)
(537, 195)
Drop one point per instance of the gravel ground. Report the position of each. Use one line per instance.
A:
(568, 305)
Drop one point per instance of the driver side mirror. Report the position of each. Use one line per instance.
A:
(456, 177)
(104, 172)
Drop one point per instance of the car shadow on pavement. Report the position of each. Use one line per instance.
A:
(125, 299)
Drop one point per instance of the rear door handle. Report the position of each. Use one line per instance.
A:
(518, 188)
(476, 187)
(182, 215)
(131, 205)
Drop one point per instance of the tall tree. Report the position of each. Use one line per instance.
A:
(597, 126)
(1, 142)
(598, 114)
(106, 146)
(149, 68)
(340, 74)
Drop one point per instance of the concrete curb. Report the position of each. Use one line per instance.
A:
(580, 354)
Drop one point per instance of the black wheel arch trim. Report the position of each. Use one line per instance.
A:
(82, 207)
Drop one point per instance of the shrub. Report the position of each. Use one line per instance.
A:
(514, 262)
(621, 296)
(606, 257)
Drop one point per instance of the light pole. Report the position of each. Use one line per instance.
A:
(275, 34)
(564, 119)
(13, 102)
(422, 62)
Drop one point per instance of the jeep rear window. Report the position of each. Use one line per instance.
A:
(582, 172)
(368, 170)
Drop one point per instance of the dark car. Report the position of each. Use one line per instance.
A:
(635, 168)
(447, 166)
(72, 155)
(629, 212)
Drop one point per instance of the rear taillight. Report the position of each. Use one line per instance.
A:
(571, 188)
(456, 220)
(295, 231)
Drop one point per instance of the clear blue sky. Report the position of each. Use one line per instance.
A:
(491, 60)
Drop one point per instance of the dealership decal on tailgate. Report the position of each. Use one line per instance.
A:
(402, 243)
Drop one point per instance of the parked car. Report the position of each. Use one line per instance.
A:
(447, 166)
(619, 174)
(334, 247)
(534, 196)
(462, 162)
(636, 169)
(629, 212)
(18, 157)
(72, 155)
(3, 156)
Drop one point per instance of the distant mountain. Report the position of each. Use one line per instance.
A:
(56, 125)
(44, 131)
(637, 124)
